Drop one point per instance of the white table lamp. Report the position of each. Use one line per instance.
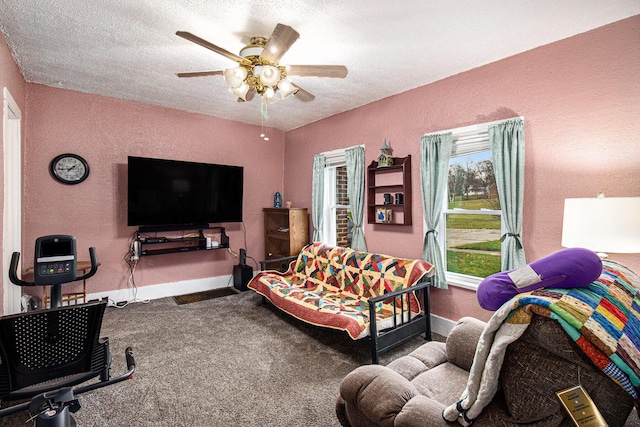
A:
(602, 224)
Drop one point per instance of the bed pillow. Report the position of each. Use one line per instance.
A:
(568, 268)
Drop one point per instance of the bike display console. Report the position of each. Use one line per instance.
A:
(55, 260)
(55, 263)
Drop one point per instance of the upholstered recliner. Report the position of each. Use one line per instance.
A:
(415, 389)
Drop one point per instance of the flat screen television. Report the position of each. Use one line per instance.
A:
(186, 194)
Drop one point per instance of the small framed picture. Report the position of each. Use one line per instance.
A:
(384, 215)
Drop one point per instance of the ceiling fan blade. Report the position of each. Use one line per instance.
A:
(217, 49)
(334, 71)
(302, 94)
(200, 73)
(279, 43)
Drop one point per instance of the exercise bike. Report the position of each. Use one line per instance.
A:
(46, 353)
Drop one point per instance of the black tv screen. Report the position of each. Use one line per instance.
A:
(171, 192)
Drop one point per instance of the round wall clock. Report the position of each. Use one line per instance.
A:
(69, 168)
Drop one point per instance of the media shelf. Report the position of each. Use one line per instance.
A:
(204, 239)
(391, 180)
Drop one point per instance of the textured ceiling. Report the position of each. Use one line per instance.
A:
(128, 48)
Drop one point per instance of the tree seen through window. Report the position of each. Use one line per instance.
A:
(472, 216)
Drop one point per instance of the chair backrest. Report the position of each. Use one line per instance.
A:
(48, 349)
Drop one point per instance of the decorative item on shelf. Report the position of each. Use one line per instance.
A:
(385, 159)
(399, 199)
(277, 200)
(387, 198)
(602, 224)
(384, 215)
(288, 205)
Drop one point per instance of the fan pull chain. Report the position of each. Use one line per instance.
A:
(263, 116)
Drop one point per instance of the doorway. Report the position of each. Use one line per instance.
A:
(12, 215)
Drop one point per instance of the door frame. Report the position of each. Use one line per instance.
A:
(12, 212)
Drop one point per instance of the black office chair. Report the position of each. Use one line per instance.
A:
(44, 353)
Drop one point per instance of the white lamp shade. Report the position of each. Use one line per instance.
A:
(269, 76)
(607, 224)
(286, 88)
(241, 91)
(235, 76)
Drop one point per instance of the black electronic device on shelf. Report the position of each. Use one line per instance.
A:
(144, 245)
(55, 263)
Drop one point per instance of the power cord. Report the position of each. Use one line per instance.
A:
(131, 259)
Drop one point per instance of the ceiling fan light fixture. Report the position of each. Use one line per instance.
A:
(241, 91)
(270, 75)
(286, 88)
(235, 76)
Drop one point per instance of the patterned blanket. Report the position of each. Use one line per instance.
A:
(330, 286)
(603, 319)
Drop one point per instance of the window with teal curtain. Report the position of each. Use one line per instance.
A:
(338, 197)
(480, 221)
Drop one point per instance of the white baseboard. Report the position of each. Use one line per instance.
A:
(441, 325)
(164, 289)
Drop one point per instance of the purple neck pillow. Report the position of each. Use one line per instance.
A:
(568, 268)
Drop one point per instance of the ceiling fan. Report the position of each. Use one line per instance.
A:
(258, 69)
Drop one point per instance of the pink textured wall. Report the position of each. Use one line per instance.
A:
(105, 131)
(580, 98)
(581, 101)
(10, 78)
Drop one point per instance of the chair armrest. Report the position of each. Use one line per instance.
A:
(421, 412)
(377, 392)
(282, 260)
(463, 340)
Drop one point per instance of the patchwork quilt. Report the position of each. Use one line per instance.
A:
(603, 319)
(330, 286)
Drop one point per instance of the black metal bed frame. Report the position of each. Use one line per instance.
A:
(403, 329)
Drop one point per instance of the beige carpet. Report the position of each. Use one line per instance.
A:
(228, 361)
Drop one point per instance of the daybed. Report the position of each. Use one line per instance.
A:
(507, 372)
(367, 295)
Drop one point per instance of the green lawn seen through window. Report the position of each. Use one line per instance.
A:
(472, 258)
(473, 222)
(473, 264)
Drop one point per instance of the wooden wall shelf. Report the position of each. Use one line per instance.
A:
(392, 180)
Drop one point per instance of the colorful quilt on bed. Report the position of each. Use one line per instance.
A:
(330, 286)
(603, 319)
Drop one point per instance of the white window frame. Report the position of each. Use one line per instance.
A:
(466, 140)
(333, 160)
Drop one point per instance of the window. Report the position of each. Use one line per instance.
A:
(471, 224)
(337, 225)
